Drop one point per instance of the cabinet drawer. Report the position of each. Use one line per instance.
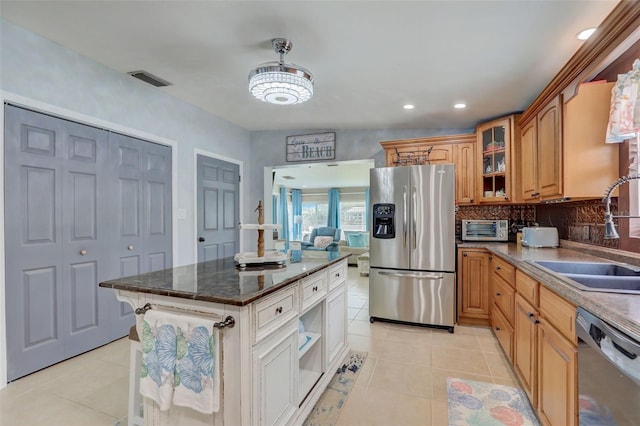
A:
(560, 313)
(527, 287)
(503, 297)
(503, 332)
(275, 310)
(503, 269)
(312, 289)
(337, 274)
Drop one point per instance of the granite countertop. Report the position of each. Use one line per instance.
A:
(620, 310)
(220, 281)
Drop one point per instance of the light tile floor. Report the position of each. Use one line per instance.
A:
(403, 381)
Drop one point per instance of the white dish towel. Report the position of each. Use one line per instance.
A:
(180, 361)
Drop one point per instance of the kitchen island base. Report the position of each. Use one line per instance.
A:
(281, 353)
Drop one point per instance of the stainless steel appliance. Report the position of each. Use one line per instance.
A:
(412, 245)
(540, 236)
(608, 373)
(485, 230)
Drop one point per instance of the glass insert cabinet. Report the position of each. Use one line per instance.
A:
(494, 159)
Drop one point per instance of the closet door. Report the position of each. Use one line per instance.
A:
(54, 260)
(85, 259)
(140, 209)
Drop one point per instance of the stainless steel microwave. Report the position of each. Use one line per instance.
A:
(485, 230)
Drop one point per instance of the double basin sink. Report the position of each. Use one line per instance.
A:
(591, 276)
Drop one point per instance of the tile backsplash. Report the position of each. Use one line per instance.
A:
(580, 221)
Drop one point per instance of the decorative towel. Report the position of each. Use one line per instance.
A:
(180, 361)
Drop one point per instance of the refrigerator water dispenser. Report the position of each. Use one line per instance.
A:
(384, 221)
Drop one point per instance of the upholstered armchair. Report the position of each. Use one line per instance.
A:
(319, 241)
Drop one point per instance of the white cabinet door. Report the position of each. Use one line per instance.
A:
(336, 322)
(276, 368)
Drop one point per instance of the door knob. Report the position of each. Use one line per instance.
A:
(130, 248)
(201, 239)
(83, 252)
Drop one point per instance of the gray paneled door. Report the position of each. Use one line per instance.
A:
(61, 214)
(217, 204)
(141, 191)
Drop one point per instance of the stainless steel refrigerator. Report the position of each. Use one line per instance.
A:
(412, 245)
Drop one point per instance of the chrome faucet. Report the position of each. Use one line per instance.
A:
(610, 232)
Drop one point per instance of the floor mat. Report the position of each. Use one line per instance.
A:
(327, 409)
(487, 404)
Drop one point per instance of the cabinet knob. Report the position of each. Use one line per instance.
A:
(201, 239)
(497, 328)
(279, 310)
(315, 288)
(83, 252)
(464, 254)
(471, 200)
(535, 194)
(130, 247)
(498, 268)
(498, 293)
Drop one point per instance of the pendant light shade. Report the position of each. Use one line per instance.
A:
(280, 83)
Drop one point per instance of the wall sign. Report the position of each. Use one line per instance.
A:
(319, 146)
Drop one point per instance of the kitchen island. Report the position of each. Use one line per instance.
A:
(268, 376)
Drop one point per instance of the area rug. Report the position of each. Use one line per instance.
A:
(327, 409)
(487, 404)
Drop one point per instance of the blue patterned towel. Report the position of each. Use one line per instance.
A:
(180, 361)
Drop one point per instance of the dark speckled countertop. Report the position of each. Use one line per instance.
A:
(620, 310)
(220, 281)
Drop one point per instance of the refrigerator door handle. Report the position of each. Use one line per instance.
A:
(414, 197)
(404, 218)
(412, 275)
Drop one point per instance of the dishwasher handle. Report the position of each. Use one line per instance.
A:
(593, 331)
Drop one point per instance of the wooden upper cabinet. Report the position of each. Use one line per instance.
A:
(562, 152)
(457, 149)
(464, 157)
(550, 149)
(529, 161)
(495, 165)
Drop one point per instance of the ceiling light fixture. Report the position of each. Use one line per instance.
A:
(585, 34)
(460, 106)
(408, 106)
(279, 83)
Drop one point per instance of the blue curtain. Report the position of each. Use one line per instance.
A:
(296, 207)
(367, 219)
(334, 208)
(284, 217)
(274, 209)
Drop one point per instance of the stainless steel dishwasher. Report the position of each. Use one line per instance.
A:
(608, 373)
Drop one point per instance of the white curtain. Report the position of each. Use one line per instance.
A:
(624, 115)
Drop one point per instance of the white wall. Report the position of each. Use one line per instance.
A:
(38, 73)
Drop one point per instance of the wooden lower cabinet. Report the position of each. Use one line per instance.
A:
(473, 286)
(541, 343)
(503, 331)
(557, 377)
(525, 347)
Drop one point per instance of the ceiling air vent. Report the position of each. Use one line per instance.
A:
(149, 78)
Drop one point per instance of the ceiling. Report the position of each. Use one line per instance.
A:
(339, 174)
(369, 58)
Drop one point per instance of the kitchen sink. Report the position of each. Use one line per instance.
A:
(595, 276)
(588, 268)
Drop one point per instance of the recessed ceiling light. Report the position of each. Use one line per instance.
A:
(460, 106)
(585, 34)
(408, 106)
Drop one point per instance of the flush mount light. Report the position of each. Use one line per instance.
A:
(279, 83)
(408, 106)
(585, 34)
(460, 106)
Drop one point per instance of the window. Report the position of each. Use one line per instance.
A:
(352, 215)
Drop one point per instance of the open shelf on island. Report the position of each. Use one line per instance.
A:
(307, 379)
(311, 339)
